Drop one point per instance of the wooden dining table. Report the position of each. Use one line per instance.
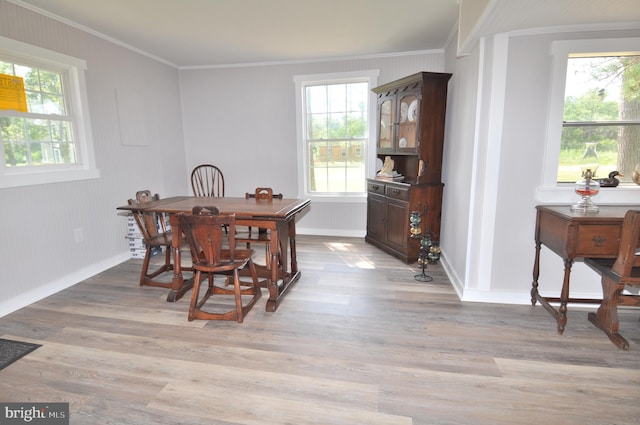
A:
(276, 215)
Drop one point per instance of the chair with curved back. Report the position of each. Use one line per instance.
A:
(252, 235)
(616, 275)
(214, 253)
(207, 180)
(154, 231)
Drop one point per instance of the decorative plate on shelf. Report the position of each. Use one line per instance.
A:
(404, 110)
(413, 111)
(402, 143)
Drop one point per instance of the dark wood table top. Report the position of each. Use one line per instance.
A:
(606, 212)
(242, 207)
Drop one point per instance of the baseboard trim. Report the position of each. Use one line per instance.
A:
(50, 288)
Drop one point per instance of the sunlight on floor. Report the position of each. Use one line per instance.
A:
(361, 262)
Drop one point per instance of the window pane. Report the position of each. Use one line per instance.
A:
(35, 141)
(337, 97)
(337, 125)
(356, 124)
(6, 68)
(336, 136)
(317, 126)
(316, 99)
(13, 136)
(52, 104)
(50, 82)
(337, 166)
(593, 147)
(601, 117)
(357, 97)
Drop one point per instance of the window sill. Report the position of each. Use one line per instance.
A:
(31, 179)
(357, 198)
(565, 194)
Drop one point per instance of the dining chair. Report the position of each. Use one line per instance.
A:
(153, 227)
(251, 235)
(616, 274)
(214, 253)
(207, 180)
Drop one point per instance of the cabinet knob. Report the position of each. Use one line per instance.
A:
(375, 187)
(395, 191)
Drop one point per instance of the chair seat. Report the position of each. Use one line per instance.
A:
(241, 258)
(605, 267)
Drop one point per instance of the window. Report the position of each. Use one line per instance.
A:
(601, 118)
(589, 117)
(45, 133)
(334, 121)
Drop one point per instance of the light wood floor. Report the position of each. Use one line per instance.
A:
(357, 341)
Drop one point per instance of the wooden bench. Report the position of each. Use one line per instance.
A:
(616, 274)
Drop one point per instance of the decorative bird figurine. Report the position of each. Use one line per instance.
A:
(636, 175)
(610, 181)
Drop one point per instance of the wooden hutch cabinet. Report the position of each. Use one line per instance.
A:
(411, 119)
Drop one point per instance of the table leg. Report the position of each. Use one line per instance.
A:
(281, 278)
(179, 286)
(272, 284)
(561, 318)
(536, 274)
(559, 314)
(292, 246)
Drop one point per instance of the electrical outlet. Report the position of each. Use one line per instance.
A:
(78, 234)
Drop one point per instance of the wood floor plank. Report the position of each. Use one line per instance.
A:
(240, 406)
(357, 340)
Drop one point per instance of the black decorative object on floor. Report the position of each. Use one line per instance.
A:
(10, 351)
(423, 258)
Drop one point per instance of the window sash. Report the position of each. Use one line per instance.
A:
(74, 93)
(551, 191)
(599, 123)
(342, 159)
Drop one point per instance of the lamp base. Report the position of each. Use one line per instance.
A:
(585, 204)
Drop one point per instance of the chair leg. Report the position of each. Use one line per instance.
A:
(193, 307)
(146, 277)
(255, 289)
(238, 296)
(606, 317)
(145, 267)
(238, 312)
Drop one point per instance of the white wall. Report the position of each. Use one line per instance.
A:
(243, 120)
(513, 74)
(458, 160)
(38, 253)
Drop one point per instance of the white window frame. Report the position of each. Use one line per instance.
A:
(76, 92)
(371, 77)
(551, 191)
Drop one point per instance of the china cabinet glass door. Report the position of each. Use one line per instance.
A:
(385, 130)
(407, 125)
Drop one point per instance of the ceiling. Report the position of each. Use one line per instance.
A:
(200, 33)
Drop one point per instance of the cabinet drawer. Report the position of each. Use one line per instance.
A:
(597, 240)
(375, 187)
(397, 192)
